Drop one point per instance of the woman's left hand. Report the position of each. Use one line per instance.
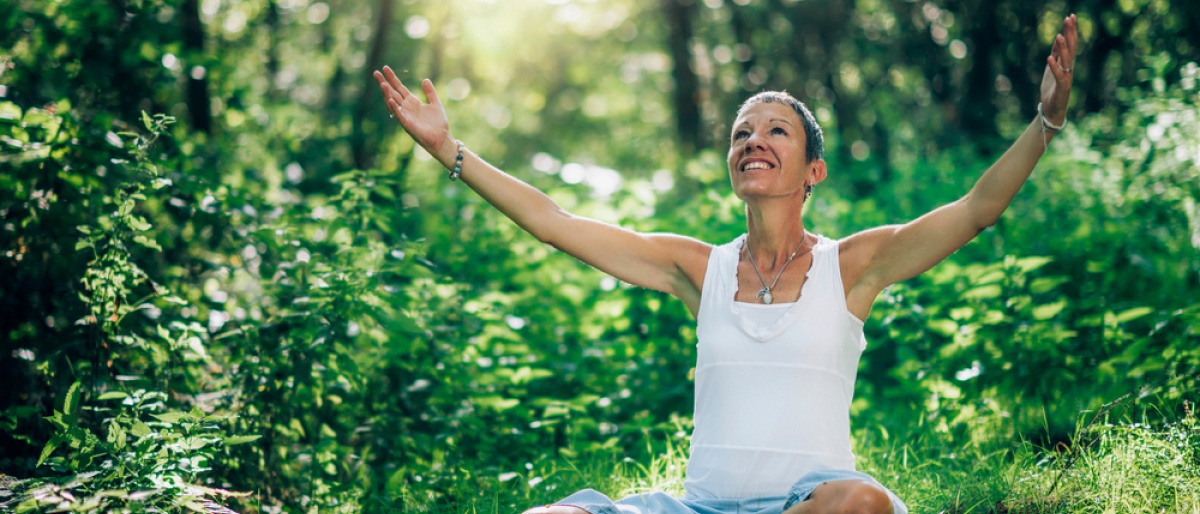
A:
(1060, 71)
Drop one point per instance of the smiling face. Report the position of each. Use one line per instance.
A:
(767, 153)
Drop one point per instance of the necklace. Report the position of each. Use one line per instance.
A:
(764, 294)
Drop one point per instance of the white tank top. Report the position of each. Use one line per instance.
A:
(773, 382)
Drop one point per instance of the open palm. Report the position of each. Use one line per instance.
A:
(426, 122)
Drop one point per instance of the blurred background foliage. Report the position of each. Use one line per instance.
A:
(219, 254)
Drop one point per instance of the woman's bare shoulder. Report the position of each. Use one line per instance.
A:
(690, 254)
(691, 262)
(856, 254)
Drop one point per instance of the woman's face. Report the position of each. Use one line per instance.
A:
(767, 154)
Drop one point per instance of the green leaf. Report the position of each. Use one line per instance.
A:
(147, 243)
(1045, 312)
(1028, 264)
(116, 436)
(296, 427)
(192, 505)
(496, 402)
(91, 504)
(140, 429)
(9, 112)
(241, 439)
(71, 400)
(1046, 284)
(37, 117)
(56, 419)
(555, 410)
(139, 224)
(396, 481)
(170, 417)
(48, 450)
(983, 292)
(946, 327)
(113, 395)
(147, 121)
(1132, 314)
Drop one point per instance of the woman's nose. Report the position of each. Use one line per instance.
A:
(754, 141)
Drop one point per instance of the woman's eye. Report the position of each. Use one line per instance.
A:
(779, 130)
(741, 134)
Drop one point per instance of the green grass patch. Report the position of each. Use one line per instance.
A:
(1104, 468)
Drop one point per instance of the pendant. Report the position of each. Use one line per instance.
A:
(765, 295)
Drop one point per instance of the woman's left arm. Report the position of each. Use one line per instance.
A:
(880, 257)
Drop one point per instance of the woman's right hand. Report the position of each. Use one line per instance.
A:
(425, 122)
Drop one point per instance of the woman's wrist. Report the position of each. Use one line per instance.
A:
(446, 151)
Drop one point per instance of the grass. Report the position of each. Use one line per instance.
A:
(1106, 468)
(1125, 468)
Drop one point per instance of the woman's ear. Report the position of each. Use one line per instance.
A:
(818, 171)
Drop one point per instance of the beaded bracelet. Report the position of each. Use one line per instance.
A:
(457, 171)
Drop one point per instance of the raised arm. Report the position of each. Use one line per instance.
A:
(665, 262)
(877, 258)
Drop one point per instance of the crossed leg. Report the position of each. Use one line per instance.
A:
(555, 509)
(833, 497)
(845, 497)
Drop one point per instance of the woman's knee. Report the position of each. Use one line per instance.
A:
(865, 498)
(846, 497)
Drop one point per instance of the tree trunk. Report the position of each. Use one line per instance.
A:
(977, 106)
(679, 15)
(1025, 74)
(193, 49)
(741, 33)
(272, 22)
(1097, 91)
(363, 150)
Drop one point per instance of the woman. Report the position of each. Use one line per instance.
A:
(779, 310)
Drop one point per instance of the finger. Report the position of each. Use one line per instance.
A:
(395, 82)
(1055, 48)
(430, 93)
(1060, 55)
(1053, 67)
(394, 107)
(1073, 37)
(388, 92)
(383, 85)
(386, 87)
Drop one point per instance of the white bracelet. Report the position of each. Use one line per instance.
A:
(1045, 122)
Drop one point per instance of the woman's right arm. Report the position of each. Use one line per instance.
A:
(665, 262)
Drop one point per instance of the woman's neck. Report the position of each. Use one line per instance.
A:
(774, 231)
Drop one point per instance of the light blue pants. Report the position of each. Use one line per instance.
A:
(661, 503)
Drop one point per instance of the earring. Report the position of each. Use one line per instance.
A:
(807, 191)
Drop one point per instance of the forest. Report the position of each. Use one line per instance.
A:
(229, 282)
